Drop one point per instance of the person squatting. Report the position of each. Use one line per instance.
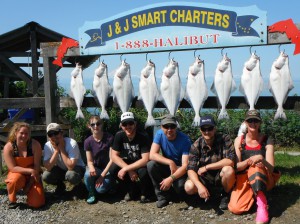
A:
(169, 168)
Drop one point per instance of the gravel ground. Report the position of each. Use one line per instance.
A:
(112, 209)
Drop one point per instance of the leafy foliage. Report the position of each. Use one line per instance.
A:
(285, 133)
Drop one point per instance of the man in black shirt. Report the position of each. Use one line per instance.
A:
(130, 154)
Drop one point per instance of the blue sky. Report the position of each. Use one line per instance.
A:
(66, 17)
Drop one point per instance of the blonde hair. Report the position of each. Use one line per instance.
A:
(15, 128)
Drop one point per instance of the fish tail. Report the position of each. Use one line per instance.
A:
(280, 114)
(223, 115)
(150, 121)
(196, 121)
(104, 114)
(79, 114)
(58, 62)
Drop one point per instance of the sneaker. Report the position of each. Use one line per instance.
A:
(60, 189)
(162, 203)
(13, 205)
(224, 202)
(262, 215)
(128, 197)
(91, 199)
(144, 199)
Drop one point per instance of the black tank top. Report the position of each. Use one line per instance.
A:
(16, 151)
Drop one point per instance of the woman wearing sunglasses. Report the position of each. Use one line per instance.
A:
(97, 147)
(255, 153)
(22, 155)
(62, 160)
(211, 161)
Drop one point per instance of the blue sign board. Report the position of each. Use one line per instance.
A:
(174, 26)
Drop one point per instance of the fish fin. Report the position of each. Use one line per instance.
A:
(242, 90)
(79, 114)
(104, 114)
(213, 89)
(196, 121)
(71, 94)
(280, 114)
(139, 96)
(150, 121)
(110, 90)
(233, 86)
(182, 94)
(223, 114)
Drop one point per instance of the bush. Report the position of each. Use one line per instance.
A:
(285, 133)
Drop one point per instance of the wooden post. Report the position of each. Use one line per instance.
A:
(50, 86)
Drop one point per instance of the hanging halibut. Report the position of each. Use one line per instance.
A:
(251, 80)
(148, 91)
(196, 89)
(280, 83)
(170, 87)
(77, 89)
(102, 88)
(122, 87)
(223, 85)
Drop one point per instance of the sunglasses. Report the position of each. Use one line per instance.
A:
(169, 126)
(130, 123)
(207, 129)
(252, 120)
(52, 133)
(95, 124)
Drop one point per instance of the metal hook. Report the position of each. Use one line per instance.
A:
(222, 53)
(251, 51)
(195, 54)
(121, 57)
(279, 49)
(169, 55)
(146, 56)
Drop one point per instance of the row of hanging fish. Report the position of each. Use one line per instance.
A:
(171, 92)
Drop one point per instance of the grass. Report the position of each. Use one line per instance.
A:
(289, 167)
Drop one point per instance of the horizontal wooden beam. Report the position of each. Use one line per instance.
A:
(235, 102)
(29, 102)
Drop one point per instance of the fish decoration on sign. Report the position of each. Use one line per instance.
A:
(171, 90)
(101, 88)
(77, 89)
(148, 91)
(223, 85)
(196, 89)
(123, 87)
(251, 80)
(280, 83)
(66, 43)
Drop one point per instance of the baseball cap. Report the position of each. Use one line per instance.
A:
(168, 119)
(53, 127)
(207, 120)
(252, 114)
(127, 116)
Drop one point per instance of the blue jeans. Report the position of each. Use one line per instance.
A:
(90, 181)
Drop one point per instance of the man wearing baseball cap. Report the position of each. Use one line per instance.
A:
(62, 160)
(211, 163)
(130, 154)
(169, 159)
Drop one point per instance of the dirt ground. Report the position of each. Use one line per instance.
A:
(284, 207)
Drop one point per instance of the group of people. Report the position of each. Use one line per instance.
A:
(169, 165)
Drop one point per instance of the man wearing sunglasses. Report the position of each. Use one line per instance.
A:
(62, 160)
(211, 164)
(130, 154)
(169, 159)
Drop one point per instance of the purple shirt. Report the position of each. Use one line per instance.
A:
(99, 150)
